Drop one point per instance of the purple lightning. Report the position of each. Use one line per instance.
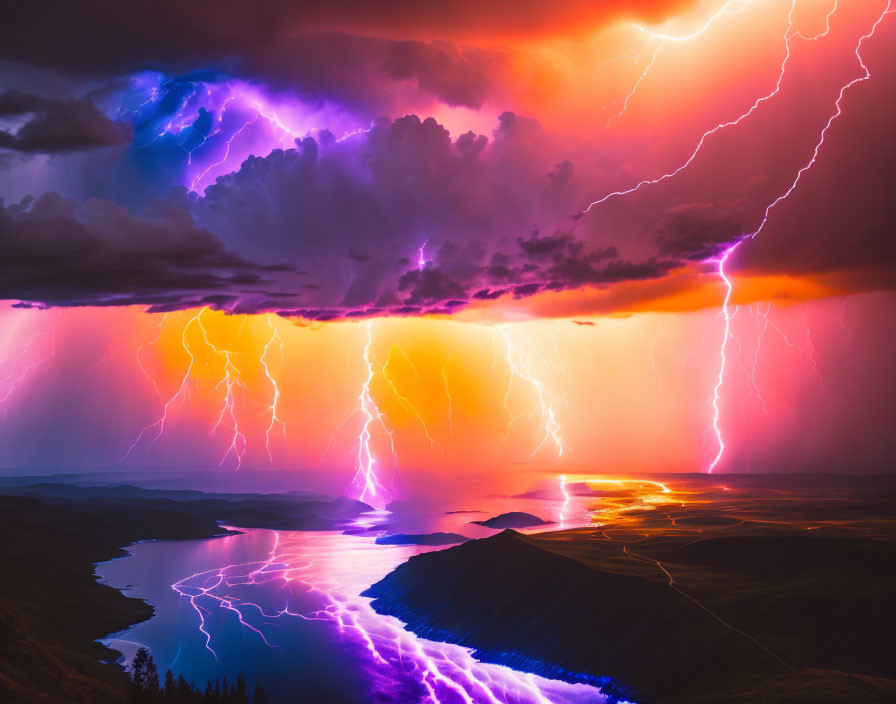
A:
(866, 74)
(716, 396)
(365, 467)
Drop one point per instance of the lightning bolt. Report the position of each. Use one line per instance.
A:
(866, 74)
(16, 376)
(404, 400)
(631, 93)
(564, 508)
(716, 396)
(789, 35)
(841, 320)
(763, 329)
(445, 672)
(838, 110)
(723, 10)
(180, 394)
(230, 381)
(811, 346)
(228, 143)
(272, 408)
(520, 366)
(365, 467)
(662, 39)
(422, 261)
(108, 356)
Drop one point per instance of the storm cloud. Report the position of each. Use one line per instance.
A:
(53, 125)
(58, 252)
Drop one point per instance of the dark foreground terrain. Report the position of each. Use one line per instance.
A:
(698, 593)
(52, 609)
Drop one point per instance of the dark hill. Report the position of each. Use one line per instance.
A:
(503, 594)
(52, 609)
(514, 519)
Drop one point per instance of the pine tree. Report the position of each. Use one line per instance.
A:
(240, 694)
(144, 677)
(138, 670)
(170, 690)
(260, 697)
(152, 678)
(185, 692)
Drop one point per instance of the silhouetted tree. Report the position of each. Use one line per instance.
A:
(145, 688)
(170, 687)
(144, 677)
(152, 678)
(240, 692)
(186, 692)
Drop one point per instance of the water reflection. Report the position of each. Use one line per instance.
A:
(284, 607)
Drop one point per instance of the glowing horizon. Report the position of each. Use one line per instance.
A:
(624, 242)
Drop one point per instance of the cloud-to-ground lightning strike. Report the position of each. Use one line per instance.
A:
(366, 464)
(716, 394)
(275, 388)
(228, 383)
(180, 394)
(366, 482)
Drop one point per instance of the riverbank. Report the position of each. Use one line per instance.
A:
(52, 609)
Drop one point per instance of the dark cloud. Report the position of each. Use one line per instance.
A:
(386, 57)
(355, 213)
(431, 287)
(373, 75)
(58, 125)
(57, 252)
(105, 36)
(345, 218)
(494, 216)
(698, 231)
(537, 247)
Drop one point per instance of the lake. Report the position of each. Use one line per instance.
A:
(284, 608)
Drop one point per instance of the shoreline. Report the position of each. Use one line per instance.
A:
(732, 596)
